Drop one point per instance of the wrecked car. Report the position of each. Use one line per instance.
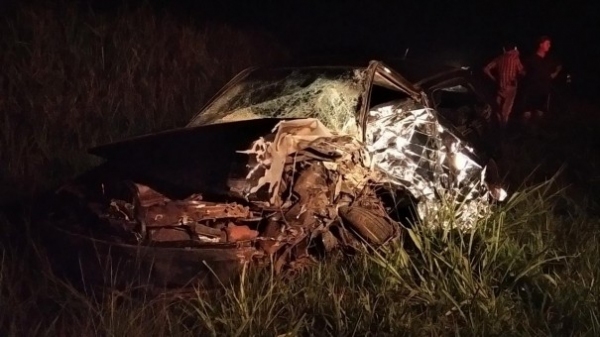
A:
(282, 167)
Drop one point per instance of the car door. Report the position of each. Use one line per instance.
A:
(458, 101)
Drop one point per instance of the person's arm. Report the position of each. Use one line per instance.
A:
(488, 69)
(555, 73)
(520, 67)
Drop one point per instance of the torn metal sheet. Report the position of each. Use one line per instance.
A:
(296, 141)
(290, 137)
(415, 151)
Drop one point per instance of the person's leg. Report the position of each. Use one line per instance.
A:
(498, 108)
(495, 126)
(528, 104)
(518, 110)
(540, 105)
(509, 94)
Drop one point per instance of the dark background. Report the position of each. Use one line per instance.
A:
(457, 32)
(460, 31)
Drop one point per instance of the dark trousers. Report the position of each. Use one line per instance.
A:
(537, 101)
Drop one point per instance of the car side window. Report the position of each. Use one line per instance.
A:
(459, 103)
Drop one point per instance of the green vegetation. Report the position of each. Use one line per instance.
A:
(71, 78)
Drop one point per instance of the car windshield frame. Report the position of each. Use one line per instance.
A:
(332, 94)
(234, 97)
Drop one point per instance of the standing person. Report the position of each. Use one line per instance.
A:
(505, 71)
(541, 70)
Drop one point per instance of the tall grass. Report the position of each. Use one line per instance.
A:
(71, 78)
(517, 272)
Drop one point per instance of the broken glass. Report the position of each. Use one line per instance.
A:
(331, 95)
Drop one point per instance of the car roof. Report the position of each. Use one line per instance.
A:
(419, 72)
(422, 72)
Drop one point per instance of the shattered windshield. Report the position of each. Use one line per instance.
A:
(331, 95)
